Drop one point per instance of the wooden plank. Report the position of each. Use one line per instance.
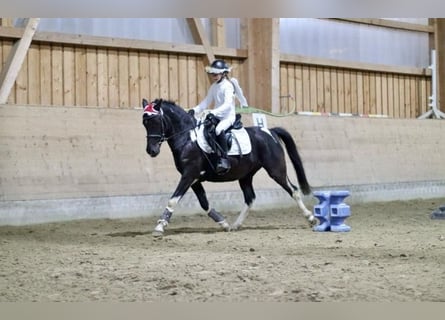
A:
(423, 96)
(163, 76)
(21, 84)
(396, 94)
(391, 24)
(15, 59)
(91, 76)
(121, 43)
(321, 105)
(144, 76)
(34, 75)
(415, 108)
(334, 91)
(402, 111)
(372, 94)
(341, 90)
(69, 75)
(439, 44)
(6, 22)
(306, 89)
(80, 76)
(155, 91)
(290, 96)
(360, 94)
(57, 74)
(123, 79)
(354, 92)
(134, 80)
(385, 92)
(352, 65)
(313, 88)
(407, 97)
(347, 91)
(192, 82)
(173, 79)
(298, 88)
(284, 89)
(366, 93)
(183, 84)
(102, 78)
(378, 93)
(7, 47)
(113, 78)
(391, 97)
(45, 74)
(203, 82)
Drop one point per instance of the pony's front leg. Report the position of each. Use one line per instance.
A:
(164, 220)
(212, 213)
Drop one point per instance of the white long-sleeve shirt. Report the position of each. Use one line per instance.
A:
(222, 95)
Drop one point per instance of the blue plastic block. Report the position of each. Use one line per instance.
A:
(340, 210)
(331, 211)
(339, 196)
(321, 211)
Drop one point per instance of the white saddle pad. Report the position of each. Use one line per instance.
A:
(240, 141)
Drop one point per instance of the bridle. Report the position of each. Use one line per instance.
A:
(162, 137)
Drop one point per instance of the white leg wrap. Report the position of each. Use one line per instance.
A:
(308, 214)
(225, 225)
(160, 226)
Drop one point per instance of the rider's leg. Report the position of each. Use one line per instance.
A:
(223, 164)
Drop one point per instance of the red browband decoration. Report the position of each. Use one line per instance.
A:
(150, 109)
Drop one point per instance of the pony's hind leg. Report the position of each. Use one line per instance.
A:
(249, 197)
(200, 193)
(295, 193)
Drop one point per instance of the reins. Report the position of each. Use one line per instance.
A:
(162, 136)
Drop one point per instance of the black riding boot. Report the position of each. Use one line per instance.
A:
(223, 164)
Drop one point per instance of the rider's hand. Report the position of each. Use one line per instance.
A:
(191, 112)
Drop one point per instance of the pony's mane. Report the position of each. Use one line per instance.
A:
(168, 104)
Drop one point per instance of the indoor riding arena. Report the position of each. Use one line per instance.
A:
(80, 197)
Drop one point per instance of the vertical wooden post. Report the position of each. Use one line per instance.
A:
(15, 60)
(264, 63)
(440, 61)
(218, 32)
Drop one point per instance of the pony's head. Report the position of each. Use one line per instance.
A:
(154, 125)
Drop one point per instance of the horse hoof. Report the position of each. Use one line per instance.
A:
(225, 225)
(157, 234)
(313, 222)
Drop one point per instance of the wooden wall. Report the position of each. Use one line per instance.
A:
(93, 71)
(74, 75)
(340, 90)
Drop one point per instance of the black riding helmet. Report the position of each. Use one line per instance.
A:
(218, 66)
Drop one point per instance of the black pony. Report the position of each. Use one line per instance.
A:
(166, 121)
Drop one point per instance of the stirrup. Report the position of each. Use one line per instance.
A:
(223, 166)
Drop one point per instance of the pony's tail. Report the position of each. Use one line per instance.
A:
(292, 151)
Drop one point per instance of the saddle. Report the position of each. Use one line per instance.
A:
(210, 123)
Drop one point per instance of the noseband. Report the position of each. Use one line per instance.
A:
(161, 135)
